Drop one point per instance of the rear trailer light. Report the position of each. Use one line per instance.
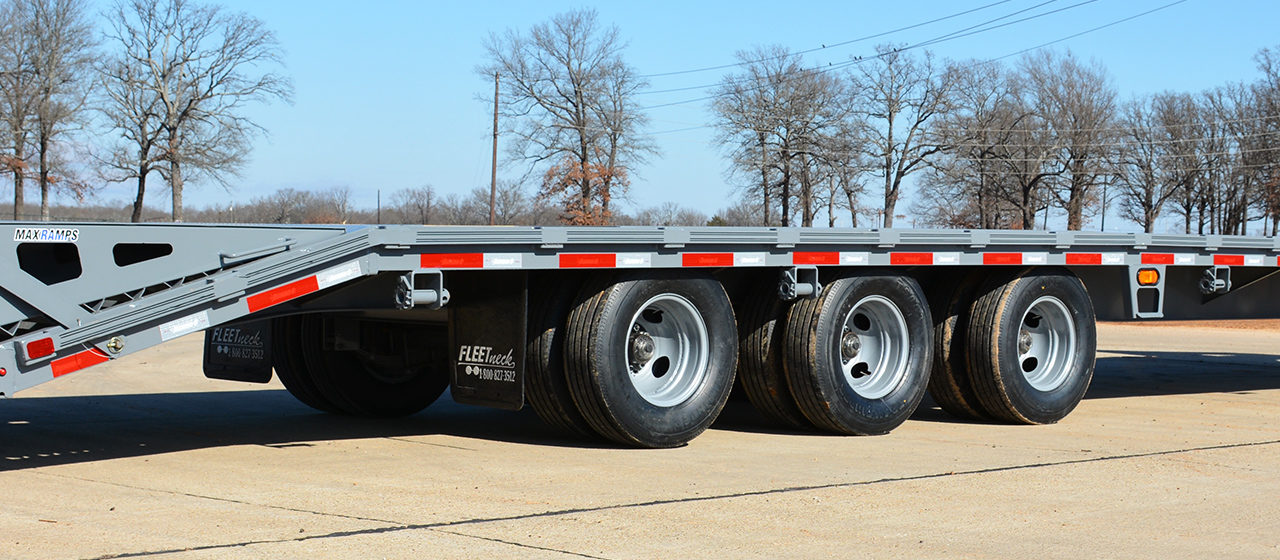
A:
(1148, 277)
(39, 348)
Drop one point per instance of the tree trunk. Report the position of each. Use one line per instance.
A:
(142, 190)
(44, 179)
(853, 209)
(175, 184)
(18, 177)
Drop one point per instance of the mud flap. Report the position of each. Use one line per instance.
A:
(239, 352)
(487, 338)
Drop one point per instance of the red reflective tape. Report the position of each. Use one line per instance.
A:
(588, 260)
(1004, 258)
(282, 294)
(1228, 260)
(707, 259)
(911, 258)
(815, 258)
(1157, 258)
(1084, 258)
(453, 260)
(77, 362)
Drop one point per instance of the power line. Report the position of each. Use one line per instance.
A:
(834, 45)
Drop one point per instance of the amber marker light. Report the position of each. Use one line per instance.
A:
(1148, 277)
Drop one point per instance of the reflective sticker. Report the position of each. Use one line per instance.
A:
(633, 260)
(856, 258)
(946, 258)
(588, 260)
(749, 259)
(1083, 258)
(1113, 258)
(706, 259)
(810, 257)
(338, 274)
(502, 260)
(1228, 260)
(1253, 260)
(77, 362)
(911, 259)
(1184, 259)
(1035, 258)
(186, 325)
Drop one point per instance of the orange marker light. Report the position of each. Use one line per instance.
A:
(1148, 277)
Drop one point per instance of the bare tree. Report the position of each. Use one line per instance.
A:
(18, 94)
(1078, 104)
(62, 57)
(568, 101)
(900, 99)
(195, 67)
(786, 128)
(415, 205)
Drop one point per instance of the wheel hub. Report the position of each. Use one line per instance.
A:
(850, 345)
(1024, 342)
(642, 348)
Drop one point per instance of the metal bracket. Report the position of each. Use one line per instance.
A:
(1215, 280)
(424, 288)
(284, 244)
(799, 281)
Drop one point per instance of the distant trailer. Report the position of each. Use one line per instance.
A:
(632, 334)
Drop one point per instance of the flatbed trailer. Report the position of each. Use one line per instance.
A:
(631, 334)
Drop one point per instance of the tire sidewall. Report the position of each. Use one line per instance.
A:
(855, 412)
(1034, 405)
(645, 422)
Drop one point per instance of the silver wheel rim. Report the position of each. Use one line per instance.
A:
(873, 347)
(1046, 344)
(667, 350)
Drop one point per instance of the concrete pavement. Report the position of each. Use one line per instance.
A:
(1174, 453)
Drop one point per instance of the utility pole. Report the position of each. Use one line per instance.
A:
(493, 180)
(379, 206)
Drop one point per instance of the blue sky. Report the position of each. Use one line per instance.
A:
(387, 93)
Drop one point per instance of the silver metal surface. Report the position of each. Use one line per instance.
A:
(676, 364)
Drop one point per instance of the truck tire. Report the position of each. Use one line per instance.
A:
(1032, 338)
(546, 386)
(400, 368)
(949, 382)
(291, 367)
(650, 355)
(858, 355)
(762, 318)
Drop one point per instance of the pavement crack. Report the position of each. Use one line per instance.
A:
(518, 544)
(443, 526)
(407, 440)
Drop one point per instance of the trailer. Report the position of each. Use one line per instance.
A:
(636, 335)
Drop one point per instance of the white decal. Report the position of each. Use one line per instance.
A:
(46, 235)
(486, 364)
(633, 260)
(186, 325)
(1035, 258)
(749, 259)
(1253, 260)
(338, 274)
(946, 258)
(1184, 259)
(1113, 258)
(502, 260)
(855, 258)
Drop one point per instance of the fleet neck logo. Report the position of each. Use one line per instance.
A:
(46, 235)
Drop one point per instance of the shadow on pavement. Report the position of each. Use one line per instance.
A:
(39, 432)
(47, 431)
